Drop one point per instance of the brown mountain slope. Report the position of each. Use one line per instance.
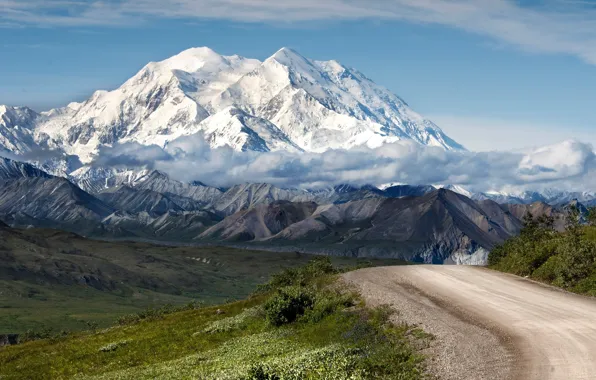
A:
(440, 227)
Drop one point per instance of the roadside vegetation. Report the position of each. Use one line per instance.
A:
(566, 259)
(302, 324)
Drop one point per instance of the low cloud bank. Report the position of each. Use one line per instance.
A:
(569, 165)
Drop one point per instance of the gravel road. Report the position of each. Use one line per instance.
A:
(489, 325)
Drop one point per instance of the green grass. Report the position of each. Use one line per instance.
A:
(28, 306)
(334, 338)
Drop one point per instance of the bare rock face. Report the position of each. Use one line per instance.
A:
(439, 227)
(52, 199)
(10, 169)
(135, 201)
(260, 222)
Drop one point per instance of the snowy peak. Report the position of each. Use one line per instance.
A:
(296, 64)
(250, 132)
(194, 59)
(16, 129)
(286, 54)
(201, 65)
(456, 189)
(287, 102)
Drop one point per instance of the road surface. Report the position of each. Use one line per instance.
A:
(489, 325)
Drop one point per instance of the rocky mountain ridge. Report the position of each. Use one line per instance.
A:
(417, 223)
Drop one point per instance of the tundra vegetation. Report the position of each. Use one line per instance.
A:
(303, 324)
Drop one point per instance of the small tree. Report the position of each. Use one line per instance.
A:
(530, 225)
(574, 226)
(546, 222)
(536, 228)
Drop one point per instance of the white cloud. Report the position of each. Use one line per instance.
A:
(555, 26)
(568, 165)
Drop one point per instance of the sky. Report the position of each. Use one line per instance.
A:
(494, 74)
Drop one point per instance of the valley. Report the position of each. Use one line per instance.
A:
(76, 281)
(413, 223)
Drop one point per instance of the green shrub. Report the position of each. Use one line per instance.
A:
(591, 217)
(586, 285)
(590, 233)
(47, 333)
(327, 302)
(577, 259)
(549, 271)
(260, 372)
(288, 304)
(497, 254)
(565, 259)
(316, 268)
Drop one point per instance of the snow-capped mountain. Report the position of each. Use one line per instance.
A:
(549, 196)
(16, 129)
(287, 102)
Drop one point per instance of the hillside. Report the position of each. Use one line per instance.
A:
(74, 280)
(414, 223)
(299, 326)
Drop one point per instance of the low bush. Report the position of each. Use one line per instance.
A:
(113, 346)
(302, 276)
(288, 304)
(48, 333)
(327, 302)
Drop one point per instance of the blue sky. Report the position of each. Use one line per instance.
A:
(495, 74)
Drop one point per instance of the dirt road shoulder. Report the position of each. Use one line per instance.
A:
(463, 349)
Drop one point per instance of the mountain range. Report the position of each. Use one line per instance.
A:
(550, 196)
(285, 103)
(416, 223)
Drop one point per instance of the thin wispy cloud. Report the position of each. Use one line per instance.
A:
(554, 26)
